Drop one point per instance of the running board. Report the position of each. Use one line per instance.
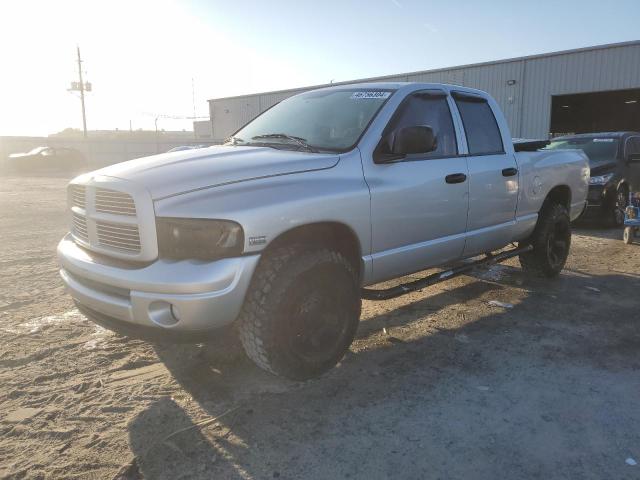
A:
(398, 290)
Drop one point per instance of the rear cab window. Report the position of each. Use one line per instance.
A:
(480, 124)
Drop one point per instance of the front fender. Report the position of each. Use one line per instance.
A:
(268, 207)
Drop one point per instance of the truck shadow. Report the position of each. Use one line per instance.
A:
(387, 388)
(597, 230)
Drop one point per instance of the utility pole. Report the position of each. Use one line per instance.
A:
(157, 141)
(81, 86)
(193, 96)
(193, 101)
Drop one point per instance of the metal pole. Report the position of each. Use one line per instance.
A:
(84, 115)
(157, 142)
(193, 100)
(193, 96)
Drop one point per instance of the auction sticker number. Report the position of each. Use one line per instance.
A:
(369, 95)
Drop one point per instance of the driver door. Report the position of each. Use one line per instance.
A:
(419, 203)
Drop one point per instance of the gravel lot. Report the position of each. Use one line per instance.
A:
(439, 384)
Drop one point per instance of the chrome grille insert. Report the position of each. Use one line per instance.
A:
(79, 226)
(118, 236)
(78, 195)
(113, 217)
(114, 202)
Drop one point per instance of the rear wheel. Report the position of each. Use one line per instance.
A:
(301, 312)
(550, 240)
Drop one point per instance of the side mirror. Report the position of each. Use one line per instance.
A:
(633, 158)
(418, 139)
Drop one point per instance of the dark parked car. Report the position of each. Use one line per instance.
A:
(49, 159)
(610, 174)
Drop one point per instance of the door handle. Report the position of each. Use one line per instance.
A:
(509, 172)
(455, 178)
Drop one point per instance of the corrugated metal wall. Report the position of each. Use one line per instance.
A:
(613, 68)
(526, 103)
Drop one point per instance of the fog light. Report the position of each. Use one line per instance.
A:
(163, 314)
(175, 312)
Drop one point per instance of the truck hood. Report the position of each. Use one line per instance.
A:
(170, 174)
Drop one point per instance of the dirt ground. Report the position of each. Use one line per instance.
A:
(438, 384)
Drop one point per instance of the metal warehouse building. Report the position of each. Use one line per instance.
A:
(583, 90)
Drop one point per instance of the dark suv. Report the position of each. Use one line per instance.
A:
(608, 158)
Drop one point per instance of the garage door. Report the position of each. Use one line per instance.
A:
(595, 112)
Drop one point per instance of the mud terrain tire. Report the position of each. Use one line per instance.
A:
(551, 241)
(301, 312)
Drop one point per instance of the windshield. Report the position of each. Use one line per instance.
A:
(331, 120)
(599, 150)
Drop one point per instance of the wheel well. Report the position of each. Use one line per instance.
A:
(334, 235)
(560, 194)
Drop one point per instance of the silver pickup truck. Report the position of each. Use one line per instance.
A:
(280, 230)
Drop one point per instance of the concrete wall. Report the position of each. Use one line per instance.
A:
(525, 102)
(202, 130)
(99, 152)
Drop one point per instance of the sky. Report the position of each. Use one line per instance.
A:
(147, 58)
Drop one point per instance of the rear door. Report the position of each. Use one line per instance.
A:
(418, 203)
(493, 176)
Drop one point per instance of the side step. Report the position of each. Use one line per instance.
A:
(398, 290)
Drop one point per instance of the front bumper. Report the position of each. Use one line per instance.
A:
(599, 202)
(596, 196)
(185, 296)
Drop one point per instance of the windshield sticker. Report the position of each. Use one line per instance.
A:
(608, 140)
(369, 95)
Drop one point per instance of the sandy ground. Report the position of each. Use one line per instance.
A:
(453, 387)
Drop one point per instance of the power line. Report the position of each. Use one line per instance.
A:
(174, 117)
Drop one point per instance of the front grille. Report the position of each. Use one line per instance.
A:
(114, 202)
(118, 236)
(79, 226)
(106, 218)
(78, 195)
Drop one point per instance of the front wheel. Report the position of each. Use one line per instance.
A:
(550, 240)
(301, 312)
(620, 203)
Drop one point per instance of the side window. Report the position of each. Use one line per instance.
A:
(480, 126)
(431, 109)
(633, 146)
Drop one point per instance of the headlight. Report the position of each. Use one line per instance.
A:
(196, 238)
(600, 179)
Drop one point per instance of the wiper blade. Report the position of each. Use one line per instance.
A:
(232, 140)
(300, 141)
